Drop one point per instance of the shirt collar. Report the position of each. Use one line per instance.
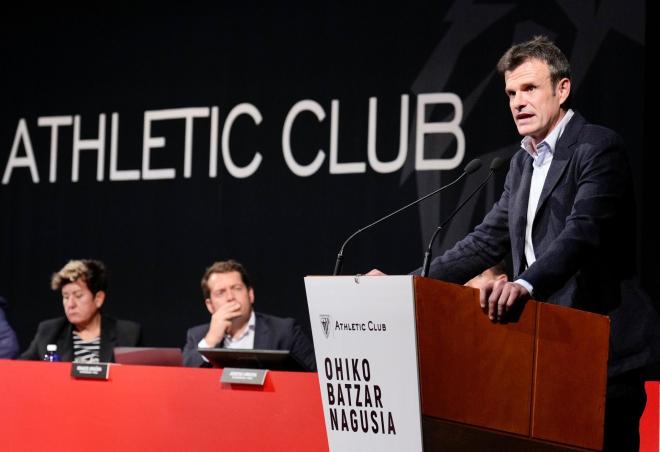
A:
(249, 330)
(549, 143)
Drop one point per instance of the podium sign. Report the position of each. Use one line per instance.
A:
(366, 355)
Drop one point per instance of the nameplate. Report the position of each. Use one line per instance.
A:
(243, 376)
(95, 371)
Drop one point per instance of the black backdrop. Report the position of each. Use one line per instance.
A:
(157, 236)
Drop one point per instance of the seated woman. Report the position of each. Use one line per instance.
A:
(8, 342)
(84, 334)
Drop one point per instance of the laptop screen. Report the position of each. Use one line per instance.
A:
(149, 356)
(251, 358)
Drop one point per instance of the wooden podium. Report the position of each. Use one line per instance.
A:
(536, 383)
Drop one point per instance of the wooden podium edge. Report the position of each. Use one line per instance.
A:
(580, 387)
(447, 436)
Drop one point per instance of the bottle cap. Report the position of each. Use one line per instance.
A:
(51, 347)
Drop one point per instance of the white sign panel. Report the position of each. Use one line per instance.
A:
(366, 354)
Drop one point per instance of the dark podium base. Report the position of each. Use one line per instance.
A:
(448, 436)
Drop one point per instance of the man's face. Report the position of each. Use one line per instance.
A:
(227, 287)
(80, 304)
(534, 102)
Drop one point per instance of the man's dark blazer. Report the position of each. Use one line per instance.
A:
(270, 333)
(114, 333)
(635, 333)
(583, 231)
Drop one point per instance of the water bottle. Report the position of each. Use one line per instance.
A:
(51, 353)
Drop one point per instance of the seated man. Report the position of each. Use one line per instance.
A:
(84, 333)
(8, 342)
(229, 298)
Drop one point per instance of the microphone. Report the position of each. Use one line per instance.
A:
(495, 164)
(470, 168)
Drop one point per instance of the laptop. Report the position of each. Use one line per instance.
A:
(251, 358)
(149, 356)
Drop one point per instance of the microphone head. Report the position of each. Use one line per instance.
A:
(497, 163)
(472, 166)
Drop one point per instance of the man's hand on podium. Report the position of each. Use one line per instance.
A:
(498, 297)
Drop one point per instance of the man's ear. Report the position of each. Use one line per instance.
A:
(502, 277)
(563, 90)
(209, 306)
(251, 295)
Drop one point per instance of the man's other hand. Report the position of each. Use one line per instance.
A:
(375, 272)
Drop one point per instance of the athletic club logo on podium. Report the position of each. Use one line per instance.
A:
(325, 324)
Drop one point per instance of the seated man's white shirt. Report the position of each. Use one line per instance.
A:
(245, 341)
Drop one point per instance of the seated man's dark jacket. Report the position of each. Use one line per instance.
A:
(114, 333)
(270, 333)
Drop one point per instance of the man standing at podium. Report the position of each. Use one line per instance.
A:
(566, 216)
(229, 297)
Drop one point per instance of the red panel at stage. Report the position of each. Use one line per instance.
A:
(649, 426)
(144, 408)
